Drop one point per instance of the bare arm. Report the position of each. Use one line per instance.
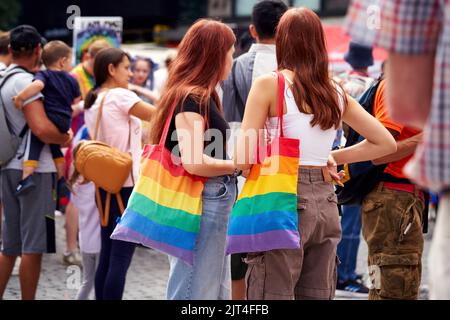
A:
(144, 92)
(410, 86)
(190, 132)
(405, 148)
(30, 91)
(379, 141)
(143, 110)
(41, 126)
(256, 111)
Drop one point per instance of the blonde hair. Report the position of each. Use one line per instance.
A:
(96, 46)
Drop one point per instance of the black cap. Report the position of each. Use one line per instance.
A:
(25, 37)
(359, 56)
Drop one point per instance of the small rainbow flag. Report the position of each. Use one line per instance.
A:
(85, 80)
(265, 215)
(165, 207)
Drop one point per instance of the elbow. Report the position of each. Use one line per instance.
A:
(243, 167)
(41, 133)
(390, 146)
(192, 169)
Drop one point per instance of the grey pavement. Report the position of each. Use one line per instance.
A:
(147, 276)
(146, 279)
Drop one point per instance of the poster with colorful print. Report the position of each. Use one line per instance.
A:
(88, 29)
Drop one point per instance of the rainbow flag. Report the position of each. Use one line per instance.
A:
(265, 215)
(165, 208)
(85, 80)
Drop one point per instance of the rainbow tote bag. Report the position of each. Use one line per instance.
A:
(265, 215)
(165, 207)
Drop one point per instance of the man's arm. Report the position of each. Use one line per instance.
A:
(410, 86)
(41, 126)
(405, 148)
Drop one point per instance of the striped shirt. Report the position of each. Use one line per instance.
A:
(415, 27)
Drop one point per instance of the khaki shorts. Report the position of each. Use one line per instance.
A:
(308, 272)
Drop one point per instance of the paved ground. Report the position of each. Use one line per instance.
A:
(146, 278)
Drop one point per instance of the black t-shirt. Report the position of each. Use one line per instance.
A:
(215, 138)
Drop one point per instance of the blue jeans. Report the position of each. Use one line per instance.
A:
(210, 276)
(347, 249)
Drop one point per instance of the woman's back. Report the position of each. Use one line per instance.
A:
(315, 143)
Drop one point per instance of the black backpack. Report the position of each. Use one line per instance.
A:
(364, 176)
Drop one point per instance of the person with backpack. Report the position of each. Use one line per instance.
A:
(119, 127)
(381, 181)
(5, 61)
(84, 74)
(313, 109)
(355, 82)
(260, 59)
(392, 216)
(29, 224)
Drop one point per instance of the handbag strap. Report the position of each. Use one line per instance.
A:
(281, 85)
(99, 116)
(167, 124)
(104, 214)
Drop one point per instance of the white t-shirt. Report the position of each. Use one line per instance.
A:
(160, 77)
(115, 125)
(88, 218)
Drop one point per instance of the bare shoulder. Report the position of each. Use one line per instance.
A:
(266, 83)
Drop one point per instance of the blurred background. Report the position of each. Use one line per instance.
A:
(151, 27)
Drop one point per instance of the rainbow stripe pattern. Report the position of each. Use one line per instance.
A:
(85, 80)
(265, 215)
(165, 207)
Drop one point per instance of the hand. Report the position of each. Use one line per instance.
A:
(332, 170)
(18, 102)
(245, 173)
(68, 142)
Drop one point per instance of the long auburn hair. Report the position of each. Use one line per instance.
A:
(196, 70)
(301, 48)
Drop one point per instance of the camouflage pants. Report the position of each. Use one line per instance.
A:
(392, 228)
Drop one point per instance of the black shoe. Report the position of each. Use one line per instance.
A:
(24, 186)
(353, 288)
(62, 190)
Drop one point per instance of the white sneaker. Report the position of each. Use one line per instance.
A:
(72, 258)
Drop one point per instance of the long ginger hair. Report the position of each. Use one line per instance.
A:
(196, 71)
(301, 48)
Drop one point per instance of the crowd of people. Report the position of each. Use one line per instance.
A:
(126, 101)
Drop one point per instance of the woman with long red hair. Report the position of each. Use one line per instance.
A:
(313, 109)
(198, 132)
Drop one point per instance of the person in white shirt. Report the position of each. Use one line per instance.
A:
(261, 59)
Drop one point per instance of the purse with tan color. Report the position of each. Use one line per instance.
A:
(104, 165)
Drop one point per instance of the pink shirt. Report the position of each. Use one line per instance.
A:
(115, 125)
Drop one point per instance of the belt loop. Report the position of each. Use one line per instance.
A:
(380, 186)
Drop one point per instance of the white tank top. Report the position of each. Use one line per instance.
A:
(315, 143)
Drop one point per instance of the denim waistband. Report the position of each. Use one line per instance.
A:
(225, 179)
